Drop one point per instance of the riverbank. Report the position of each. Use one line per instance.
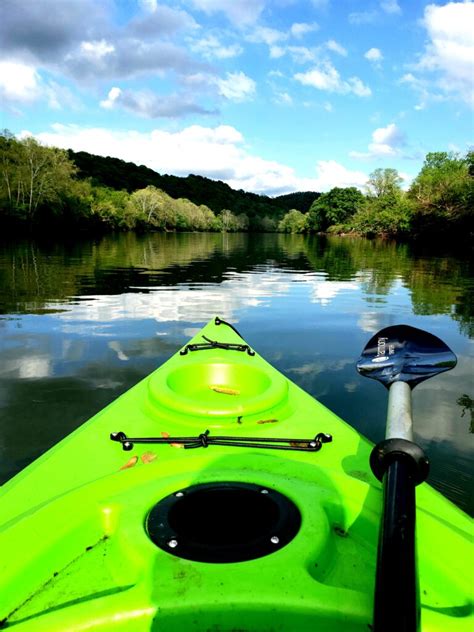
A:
(46, 189)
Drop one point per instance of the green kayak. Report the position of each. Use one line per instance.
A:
(215, 495)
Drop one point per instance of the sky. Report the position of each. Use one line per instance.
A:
(270, 96)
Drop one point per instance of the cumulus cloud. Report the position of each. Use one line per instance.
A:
(211, 47)
(326, 77)
(374, 55)
(283, 98)
(161, 20)
(236, 87)
(336, 48)
(450, 51)
(53, 27)
(97, 49)
(18, 82)
(22, 85)
(216, 152)
(386, 142)
(362, 17)
(53, 36)
(239, 12)
(300, 29)
(131, 59)
(266, 35)
(390, 6)
(150, 105)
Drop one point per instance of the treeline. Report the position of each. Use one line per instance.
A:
(439, 203)
(46, 188)
(118, 174)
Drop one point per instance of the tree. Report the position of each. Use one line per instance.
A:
(34, 175)
(229, 222)
(388, 215)
(387, 210)
(444, 187)
(383, 182)
(335, 207)
(153, 207)
(293, 222)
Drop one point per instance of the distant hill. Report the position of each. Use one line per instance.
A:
(118, 174)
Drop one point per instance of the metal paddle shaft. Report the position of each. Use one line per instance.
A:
(400, 357)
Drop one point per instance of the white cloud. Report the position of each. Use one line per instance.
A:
(266, 35)
(451, 48)
(386, 142)
(336, 48)
(300, 29)
(283, 98)
(239, 12)
(148, 5)
(276, 52)
(390, 6)
(211, 48)
(301, 54)
(374, 55)
(236, 87)
(22, 85)
(326, 77)
(112, 97)
(362, 17)
(218, 153)
(358, 87)
(96, 49)
(18, 82)
(150, 105)
(332, 174)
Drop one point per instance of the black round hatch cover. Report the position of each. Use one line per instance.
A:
(223, 522)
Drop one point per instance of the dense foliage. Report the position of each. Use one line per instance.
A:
(45, 188)
(216, 195)
(334, 208)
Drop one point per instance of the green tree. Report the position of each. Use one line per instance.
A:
(293, 222)
(383, 182)
(153, 208)
(334, 208)
(33, 175)
(228, 221)
(443, 192)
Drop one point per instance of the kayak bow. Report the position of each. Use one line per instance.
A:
(220, 504)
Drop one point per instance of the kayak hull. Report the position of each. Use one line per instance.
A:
(74, 529)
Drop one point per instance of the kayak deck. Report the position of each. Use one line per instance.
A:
(75, 549)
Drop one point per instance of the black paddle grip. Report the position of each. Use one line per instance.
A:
(390, 450)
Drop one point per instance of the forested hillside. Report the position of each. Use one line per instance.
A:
(216, 195)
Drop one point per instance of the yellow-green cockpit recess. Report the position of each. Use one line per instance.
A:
(221, 391)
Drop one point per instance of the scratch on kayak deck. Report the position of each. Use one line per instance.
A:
(63, 584)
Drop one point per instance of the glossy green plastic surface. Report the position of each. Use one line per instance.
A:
(75, 554)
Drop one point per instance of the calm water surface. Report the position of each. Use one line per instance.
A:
(80, 324)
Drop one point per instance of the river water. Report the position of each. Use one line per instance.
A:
(82, 322)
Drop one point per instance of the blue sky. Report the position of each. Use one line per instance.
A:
(271, 96)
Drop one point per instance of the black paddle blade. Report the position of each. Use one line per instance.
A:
(404, 354)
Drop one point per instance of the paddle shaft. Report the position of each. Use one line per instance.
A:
(396, 590)
(396, 606)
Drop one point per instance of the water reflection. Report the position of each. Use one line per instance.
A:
(83, 322)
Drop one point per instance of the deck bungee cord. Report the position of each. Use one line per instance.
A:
(205, 439)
